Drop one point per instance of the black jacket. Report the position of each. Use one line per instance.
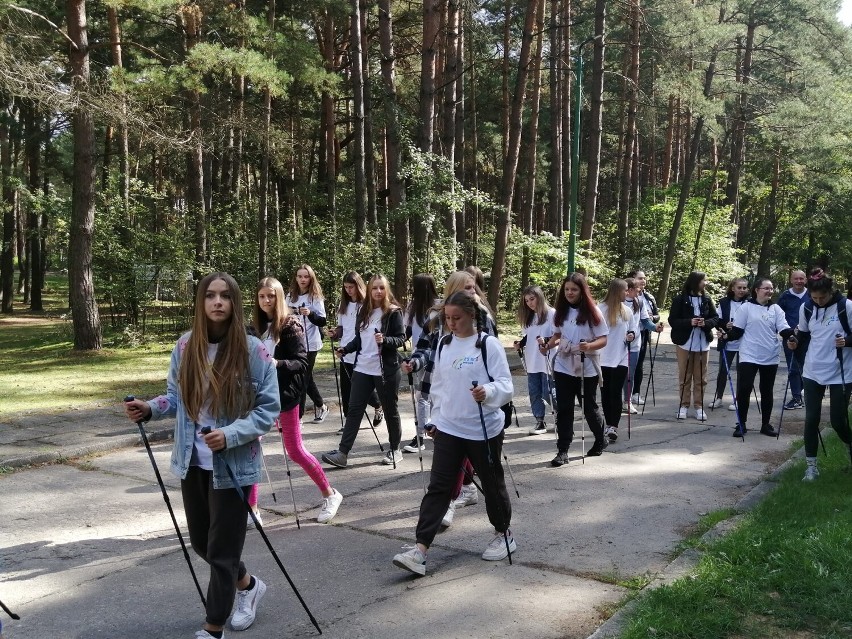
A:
(681, 314)
(291, 357)
(394, 334)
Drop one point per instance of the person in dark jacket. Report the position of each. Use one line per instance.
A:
(284, 337)
(380, 334)
(693, 318)
(790, 302)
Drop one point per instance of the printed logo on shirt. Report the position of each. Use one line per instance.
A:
(462, 362)
(829, 320)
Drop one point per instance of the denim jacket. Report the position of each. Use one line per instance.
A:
(242, 452)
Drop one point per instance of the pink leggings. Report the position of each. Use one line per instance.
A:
(291, 434)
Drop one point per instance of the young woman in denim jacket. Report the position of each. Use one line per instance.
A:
(223, 379)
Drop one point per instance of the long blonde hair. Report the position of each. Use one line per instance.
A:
(388, 304)
(262, 321)
(227, 382)
(615, 308)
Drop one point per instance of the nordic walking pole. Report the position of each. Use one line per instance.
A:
(651, 378)
(845, 401)
(511, 475)
(9, 612)
(382, 368)
(336, 380)
(144, 435)
(733, 392)
(417, 437)
(474, 384)
(266, 470)
(262, 532)
(582, 405)
(784, 401)
(290, 479)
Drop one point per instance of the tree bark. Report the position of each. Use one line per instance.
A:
(593, 165)
(357, 71)
(263, 187)
(555, 200)
(81, 290)
(7, 202)
(629, 137)
(735, 167)
(34, 230)
(510, 165)
(393, 158)
(773, 217)
(451, 74)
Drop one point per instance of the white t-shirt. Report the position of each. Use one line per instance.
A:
(614, 354)
(573, 332)
(313, 337)
(697, 341)
(759, 343)
(457, 364)
(346, 322)
(369, 358)
(533, 357)
(202, 456)
(735, 309)
(821, 364)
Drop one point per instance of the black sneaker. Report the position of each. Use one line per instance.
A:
(767, 430)
(415, 445)
(598, 449)
(794, 404)
(560, 459)
(739, 431)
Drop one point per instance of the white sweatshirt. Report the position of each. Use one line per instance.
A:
(821, 363)
(533, 358)
(614, 354)
(457, 364)
(761, 325)
(313, 337)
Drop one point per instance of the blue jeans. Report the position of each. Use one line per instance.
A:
(538, 385)
(794, 374)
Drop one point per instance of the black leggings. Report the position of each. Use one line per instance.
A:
(363, 387)
(746, 372)
(311, 389)
(838, 413)
(567, 389)
(346, 371)
(613, 381)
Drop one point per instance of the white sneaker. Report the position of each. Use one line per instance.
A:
(732, 406)
(250, 521)
(538, 429)
(329, 508)
(320, 414)
(392, 455)
(717, 403)
(811, 473)
(683, 412)
(639, 401)
(611, 432)
(412, 560)
(467, 497)
(628, 407)
(203, 634)
(247, 601)
(496, 549)
(700, 415)
(447, 521)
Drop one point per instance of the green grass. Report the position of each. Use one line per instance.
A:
(785, 571)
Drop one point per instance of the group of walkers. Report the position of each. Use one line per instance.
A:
(228, 383)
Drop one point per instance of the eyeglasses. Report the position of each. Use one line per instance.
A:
(764, 288)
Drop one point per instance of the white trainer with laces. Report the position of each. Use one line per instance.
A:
(447, 521)
(320, 413)
(412, 560)
(496, 548)
(392, 455)
(700, 415)
(683, 412)
(639, 401)
(467, 497)
(250, 521)
(717, 403)
(203, 634)
(329, 508)
(811, 473)
(247, 602)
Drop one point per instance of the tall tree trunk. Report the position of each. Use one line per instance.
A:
(773, 217)
(263, 187)
(593, 166)
(510, 165)
(369, 143)
(328, 151)
(81, 290)
(671, 246)
(667, 151)
(356, 60)
(34, 230)
(451, 74)
(567, 117)
(124, 144)
(461, 221)
(431, 24)
(555, 201)
(7, 203)
(393, 158)
(629, 137)
(735, 167)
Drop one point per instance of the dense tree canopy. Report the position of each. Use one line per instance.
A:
(150, 141)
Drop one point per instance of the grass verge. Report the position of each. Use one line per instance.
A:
(785, 571)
